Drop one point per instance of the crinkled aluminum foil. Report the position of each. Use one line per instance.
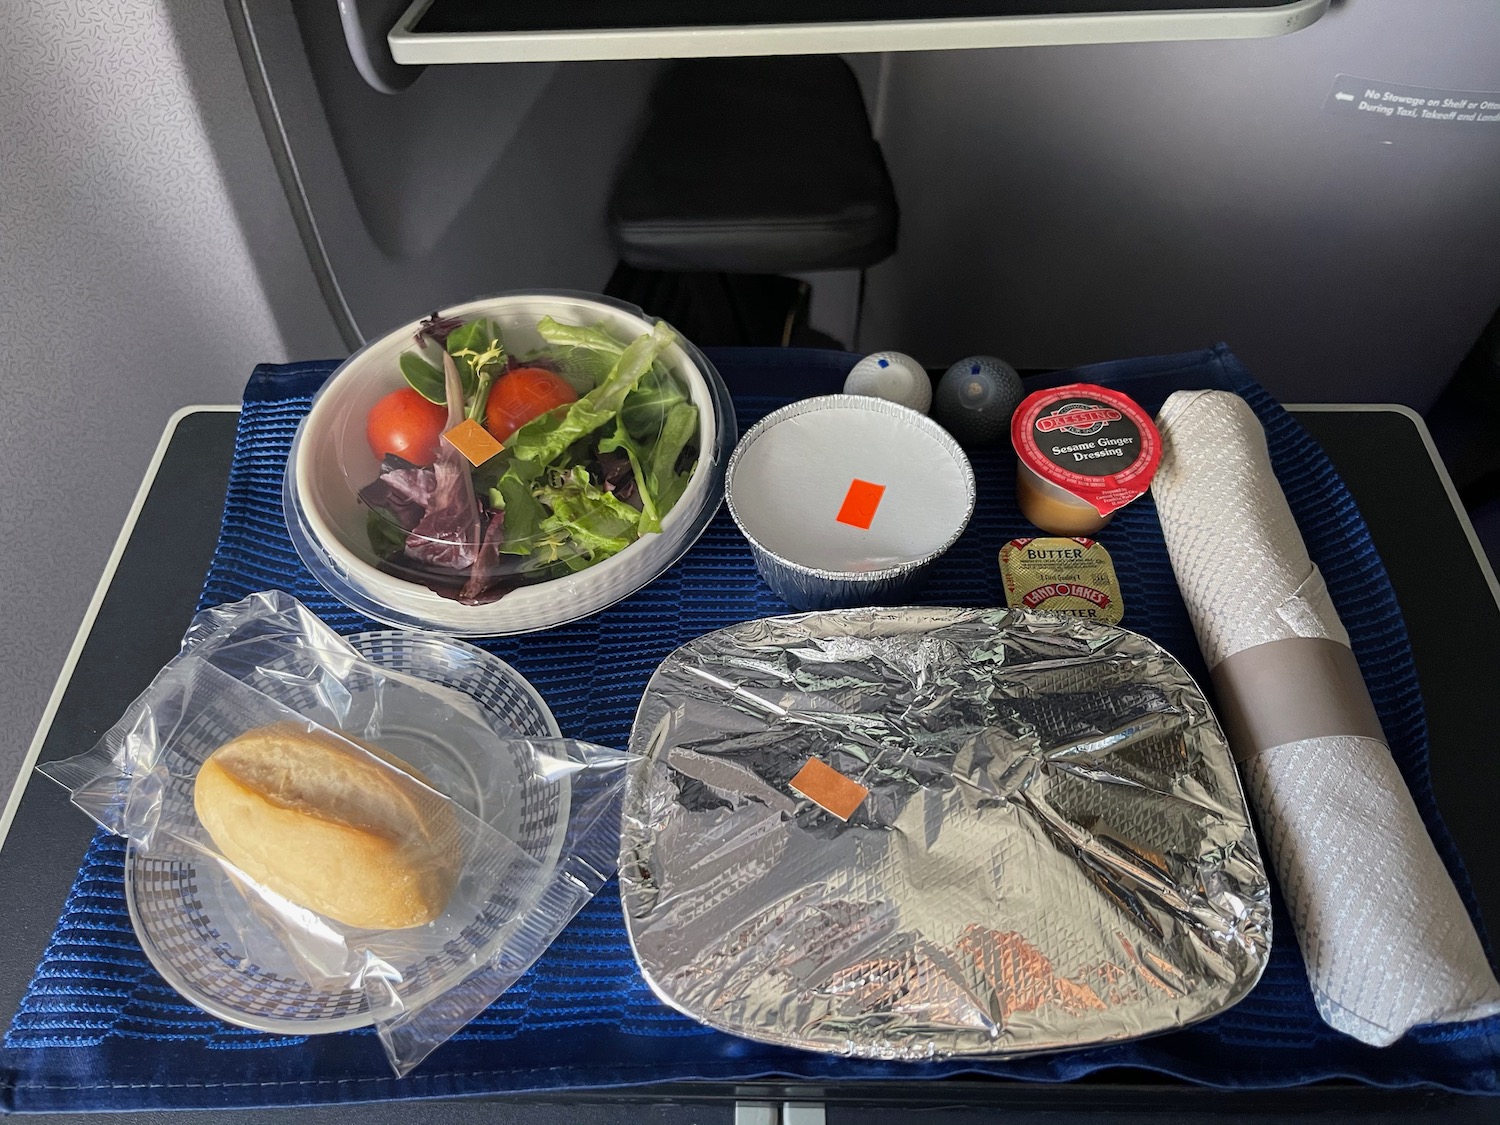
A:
(1054, 851)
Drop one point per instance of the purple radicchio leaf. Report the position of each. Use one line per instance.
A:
(437, 329)
(484, 575)
(450, 532)
(447, 535)
(618, 476)
(443, 582)
(403, 489)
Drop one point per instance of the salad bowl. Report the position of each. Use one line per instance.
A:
(332, 462)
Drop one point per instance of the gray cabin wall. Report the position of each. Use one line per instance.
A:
(1066, 205)
(473, 180)
(149, 256)
(147, 261)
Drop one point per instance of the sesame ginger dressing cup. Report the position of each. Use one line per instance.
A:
(1083, 452)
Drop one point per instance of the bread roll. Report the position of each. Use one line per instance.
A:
(319, 823)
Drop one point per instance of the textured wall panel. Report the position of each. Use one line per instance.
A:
(1065, 205)
(126, 291)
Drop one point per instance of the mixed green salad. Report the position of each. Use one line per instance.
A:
(597, 443)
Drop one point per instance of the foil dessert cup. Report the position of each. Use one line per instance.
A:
(848, 500)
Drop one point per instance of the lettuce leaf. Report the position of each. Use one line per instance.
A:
(679, 428)
(422, 377)
(481, 358)
(478, 347)
(448, 535)
(622, 442)
(595, 339)
(543, 440)
(523, 512)
(436, 329)
(402, 490)
(387, 536)
(658, 484)
(596, 521)
(583, 356)
(646, 408)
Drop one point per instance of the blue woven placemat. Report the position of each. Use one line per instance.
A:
(99, 1029)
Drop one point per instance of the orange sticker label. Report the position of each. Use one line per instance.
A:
(827, 787)
(473, 441)
(860, 503)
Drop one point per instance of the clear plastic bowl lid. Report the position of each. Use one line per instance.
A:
(480, 529)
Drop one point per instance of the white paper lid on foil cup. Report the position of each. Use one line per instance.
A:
(848, 484)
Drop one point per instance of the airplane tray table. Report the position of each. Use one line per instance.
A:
(98, 1030)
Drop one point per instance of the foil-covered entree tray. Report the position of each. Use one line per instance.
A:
(1055, 850)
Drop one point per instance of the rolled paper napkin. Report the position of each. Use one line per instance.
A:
(1387, 941)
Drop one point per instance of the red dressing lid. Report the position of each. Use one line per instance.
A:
(1090, 441)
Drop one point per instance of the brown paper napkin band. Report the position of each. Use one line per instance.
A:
(1289, 690)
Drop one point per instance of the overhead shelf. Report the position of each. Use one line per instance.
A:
(481, 31)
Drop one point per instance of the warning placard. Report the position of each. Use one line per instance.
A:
(1374, 99)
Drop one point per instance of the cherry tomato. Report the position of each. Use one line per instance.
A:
(406, 424)
(523, 394)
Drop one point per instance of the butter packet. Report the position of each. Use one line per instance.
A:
(1072, 577)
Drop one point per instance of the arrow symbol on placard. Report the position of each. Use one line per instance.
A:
(1343, 97)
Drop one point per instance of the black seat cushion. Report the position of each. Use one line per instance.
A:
(759, 165)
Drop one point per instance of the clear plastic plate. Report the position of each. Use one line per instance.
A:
(186, 912)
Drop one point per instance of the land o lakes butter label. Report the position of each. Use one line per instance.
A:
(1073, 577)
